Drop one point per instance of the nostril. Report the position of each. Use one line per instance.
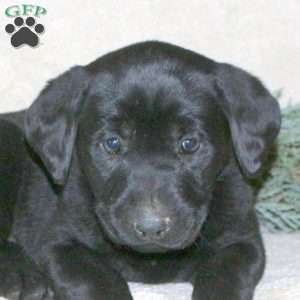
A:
(139, 231)
(152, 228)
(160, 233)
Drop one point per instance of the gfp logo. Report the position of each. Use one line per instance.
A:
(25, 30)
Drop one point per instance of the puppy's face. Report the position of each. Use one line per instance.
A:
(152, 148)
(153, 126)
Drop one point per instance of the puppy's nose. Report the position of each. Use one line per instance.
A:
(152, 228)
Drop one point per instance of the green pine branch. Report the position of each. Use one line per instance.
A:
(278, 206)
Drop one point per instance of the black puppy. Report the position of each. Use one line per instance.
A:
(134, 168)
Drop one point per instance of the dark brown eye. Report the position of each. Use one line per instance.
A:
(189, 145)
(112, 145)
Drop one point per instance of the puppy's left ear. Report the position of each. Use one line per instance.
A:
(51, 121)
(253, 116)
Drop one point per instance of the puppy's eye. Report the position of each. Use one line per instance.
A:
(189, 145)
(112, 145)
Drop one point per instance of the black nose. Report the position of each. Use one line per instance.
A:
(151, 228)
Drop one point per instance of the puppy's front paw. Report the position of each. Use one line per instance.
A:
(221, 292)
(19, 279)
(16, 285)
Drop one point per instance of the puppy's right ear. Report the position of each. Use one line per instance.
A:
(252, 113)
(51, 121)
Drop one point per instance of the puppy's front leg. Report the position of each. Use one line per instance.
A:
(79, 273)
(232, 274)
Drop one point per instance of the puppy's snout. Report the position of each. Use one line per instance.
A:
(152, 227)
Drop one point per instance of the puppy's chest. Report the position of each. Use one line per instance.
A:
(155, 269)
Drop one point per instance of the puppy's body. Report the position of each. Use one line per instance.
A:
(133, 169)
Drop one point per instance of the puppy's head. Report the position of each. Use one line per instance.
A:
(153, 126)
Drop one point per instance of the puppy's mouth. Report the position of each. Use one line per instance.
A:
(160, 247)
(151, 248)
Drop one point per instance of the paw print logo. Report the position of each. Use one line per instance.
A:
(24, 32)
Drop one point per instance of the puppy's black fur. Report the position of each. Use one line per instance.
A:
(135, 168)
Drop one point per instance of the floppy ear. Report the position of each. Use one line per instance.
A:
(51, 121)
(253, 116)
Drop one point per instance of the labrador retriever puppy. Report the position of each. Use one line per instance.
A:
(135, 167)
